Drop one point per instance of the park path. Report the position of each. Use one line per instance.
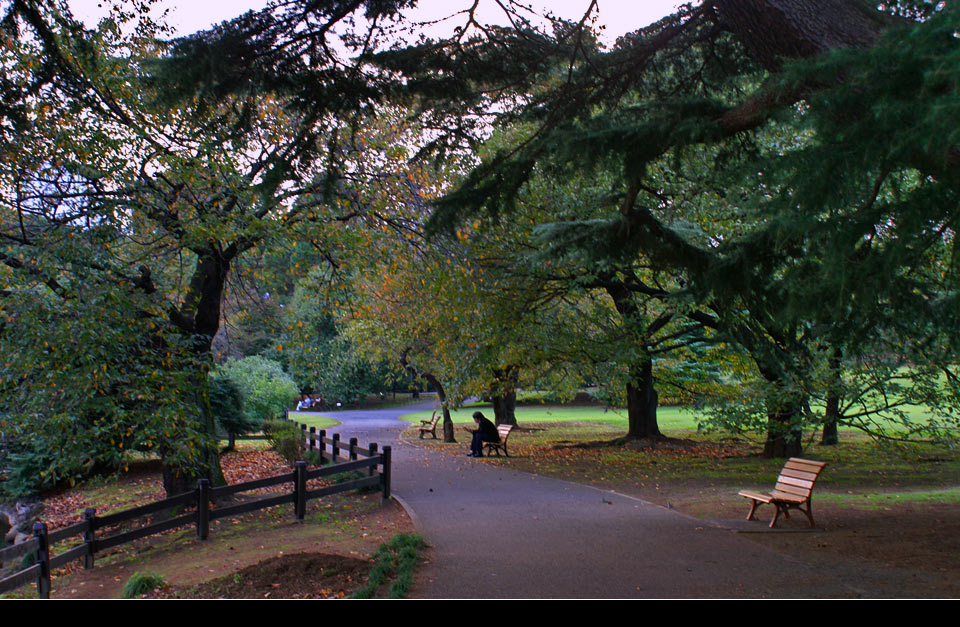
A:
(498, 533)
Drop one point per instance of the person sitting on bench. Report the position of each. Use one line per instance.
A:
(485, 432)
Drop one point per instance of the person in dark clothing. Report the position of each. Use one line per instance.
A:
(486, 431)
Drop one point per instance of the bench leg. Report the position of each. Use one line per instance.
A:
(776, 515)
(753, 509)
(809, 513)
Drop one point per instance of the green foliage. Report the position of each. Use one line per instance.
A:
(84, 385)
(286, 438)
(141, 583)
(227, 405)
(319, 355)
(267, 389)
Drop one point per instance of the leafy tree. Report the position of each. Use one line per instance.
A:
(822, 228)
(124, 187)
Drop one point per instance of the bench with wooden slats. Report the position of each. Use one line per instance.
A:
(793, 490)
(430, 426)
(495, 447)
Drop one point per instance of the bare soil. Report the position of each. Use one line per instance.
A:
(264, 554)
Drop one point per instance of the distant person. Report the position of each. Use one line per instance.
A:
(486, 431)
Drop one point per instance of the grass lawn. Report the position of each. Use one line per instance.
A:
(319, 421)
(671, 418)
(673, 421)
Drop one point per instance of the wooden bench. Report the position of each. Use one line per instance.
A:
(793, 490)
(430, 426)
(495, 447)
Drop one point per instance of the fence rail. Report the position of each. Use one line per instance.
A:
(317, 441)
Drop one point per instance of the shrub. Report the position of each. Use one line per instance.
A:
(227, 405)
(267, 389)
(141, 583)
(285, 438)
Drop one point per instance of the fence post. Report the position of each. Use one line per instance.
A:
(373, 451)
(43, 558)
(300, 489)
(323, 445)
(353, 449)
(334, 448)
(203, 508)
(385, 478)
(313, 437)
(89, 517)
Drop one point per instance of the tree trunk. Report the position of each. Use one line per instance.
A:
(831, 418)
(504, 395)
(831, 415)
(774, 30)
(180, 478)
(199, 316)
(784, 431)
(442, 397)
(642, 402)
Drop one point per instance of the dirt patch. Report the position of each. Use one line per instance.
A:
(349, 527)
(345, 528)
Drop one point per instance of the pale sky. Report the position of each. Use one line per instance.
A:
(619, 16)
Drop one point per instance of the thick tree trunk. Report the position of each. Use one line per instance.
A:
(199, 316)
(642, 402)
(784, 431)
(831, 415)
(504, 395)
(178, 477)
(504, 409)
(641, 394)
(774, 30)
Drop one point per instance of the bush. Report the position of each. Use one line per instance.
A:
(227, 405)
(286, 438)
(267, 389)
(141, 583)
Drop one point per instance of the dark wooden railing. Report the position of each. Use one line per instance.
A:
(332, 462)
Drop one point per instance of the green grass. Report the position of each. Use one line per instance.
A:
(668, 417)
(394, 560)
(884, 500)
(140, 584)
(313, 420)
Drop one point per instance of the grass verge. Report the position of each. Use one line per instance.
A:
(394, 561)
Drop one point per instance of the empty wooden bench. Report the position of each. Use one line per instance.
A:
(793, 490)
(430, 426)
(495, 447)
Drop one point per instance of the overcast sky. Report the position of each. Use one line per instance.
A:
(188, 16)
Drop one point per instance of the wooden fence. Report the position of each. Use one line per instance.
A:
(341, 457)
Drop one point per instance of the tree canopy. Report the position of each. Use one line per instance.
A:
(775, 181)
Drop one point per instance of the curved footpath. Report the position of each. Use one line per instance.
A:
(497, 533)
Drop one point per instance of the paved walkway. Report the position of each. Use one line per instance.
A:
(498, 533)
